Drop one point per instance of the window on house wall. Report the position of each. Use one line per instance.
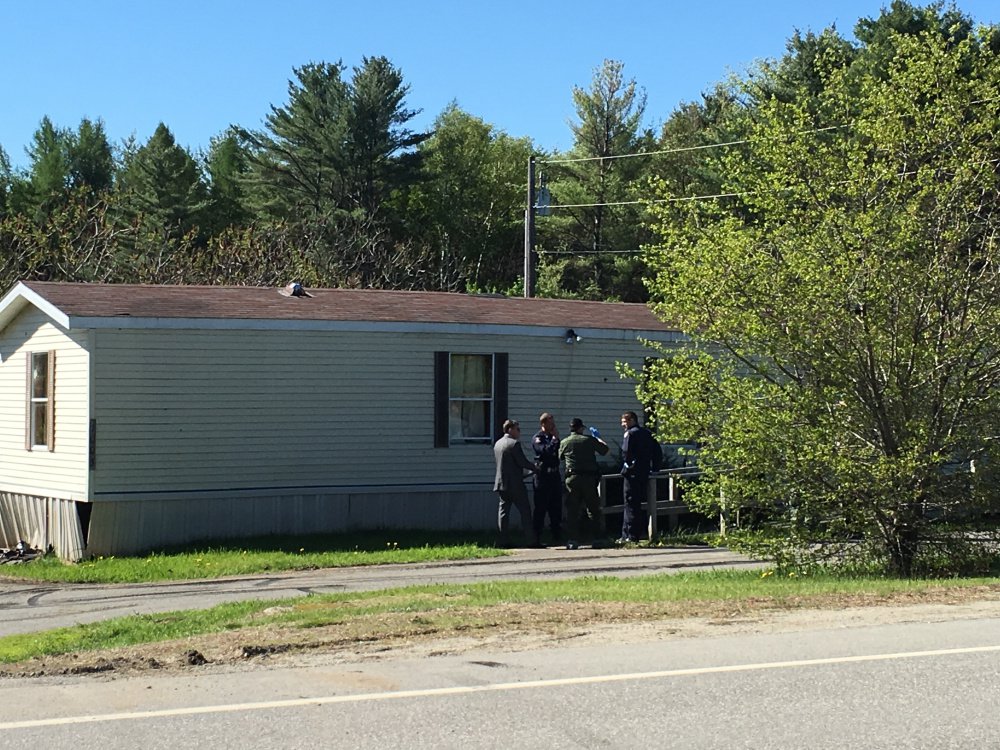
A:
(41, 379)
(470, 397)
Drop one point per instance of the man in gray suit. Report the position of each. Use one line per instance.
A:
(509, 483)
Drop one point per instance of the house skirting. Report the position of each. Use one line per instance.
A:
(135, 526)
(41, 522)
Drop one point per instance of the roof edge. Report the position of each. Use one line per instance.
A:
(22, 295)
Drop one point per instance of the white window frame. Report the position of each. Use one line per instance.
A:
(459, 437)
(40, 405)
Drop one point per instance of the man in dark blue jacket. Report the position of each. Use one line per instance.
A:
(548, 483)
(637, 451)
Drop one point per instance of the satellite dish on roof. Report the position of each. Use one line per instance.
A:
(294, 289)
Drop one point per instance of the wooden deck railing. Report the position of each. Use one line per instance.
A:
(662, 497)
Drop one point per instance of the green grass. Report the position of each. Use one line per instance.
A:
(263, 555)
(460, 607)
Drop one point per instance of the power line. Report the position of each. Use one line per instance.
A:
(688, 198)
(679, 149)
(682, 149)
(641, 153)
(646, 202)
(691, 148)
(578, 253)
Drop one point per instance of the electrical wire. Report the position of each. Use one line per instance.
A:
(682, 149)
(589, 252)
(679, 149)
(646, 202)
(714, 196)
(691, 148)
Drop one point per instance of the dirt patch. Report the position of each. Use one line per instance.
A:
(509, 627)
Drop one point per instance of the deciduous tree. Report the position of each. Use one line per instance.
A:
(844, 375)
(468, 207)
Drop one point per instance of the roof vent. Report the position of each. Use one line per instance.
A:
(294, 289)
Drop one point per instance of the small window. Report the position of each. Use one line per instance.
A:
(41, 371)
(470, 398)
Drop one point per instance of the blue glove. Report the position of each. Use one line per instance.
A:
(594, 432)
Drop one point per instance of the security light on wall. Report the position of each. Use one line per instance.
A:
(571, 337)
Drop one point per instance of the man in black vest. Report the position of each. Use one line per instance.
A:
(637, 451)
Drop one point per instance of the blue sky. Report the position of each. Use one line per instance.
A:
(201, 66)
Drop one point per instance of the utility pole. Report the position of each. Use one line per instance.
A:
(529, 233)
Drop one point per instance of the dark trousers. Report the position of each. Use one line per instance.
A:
(548, 501)
(583, 502)
(634, 517)
(517, 497)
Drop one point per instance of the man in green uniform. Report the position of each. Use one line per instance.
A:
(579, 451)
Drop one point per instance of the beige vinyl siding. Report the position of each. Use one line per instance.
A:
(189, 410)
(61, 473)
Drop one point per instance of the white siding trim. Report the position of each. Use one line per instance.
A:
(41, 490)
(18, 297)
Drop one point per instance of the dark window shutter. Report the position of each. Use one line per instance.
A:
(500, 389)
(93, 444)
(441, 362)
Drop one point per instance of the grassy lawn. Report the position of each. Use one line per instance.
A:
(270, 554)
(454, 609)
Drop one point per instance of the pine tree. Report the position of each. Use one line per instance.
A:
(596, 241)
(163, 187)
(91, 163)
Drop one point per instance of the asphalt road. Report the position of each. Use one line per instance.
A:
(26, 607)
(901, 685)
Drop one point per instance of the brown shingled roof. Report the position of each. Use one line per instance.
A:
(148, 301)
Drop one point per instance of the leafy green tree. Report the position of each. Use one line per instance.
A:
(593, 243)
(843, 377)
(802, 72)
(78, 241)
(904, 19)
(468, 208)
(693, 141)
